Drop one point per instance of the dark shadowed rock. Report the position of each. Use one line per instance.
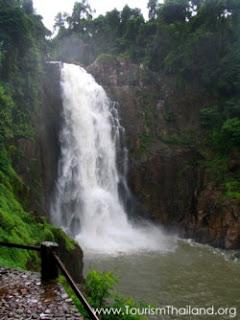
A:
(165, 174)
(49, 129)
(71, 254)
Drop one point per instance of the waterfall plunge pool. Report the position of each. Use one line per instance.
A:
(191, 275)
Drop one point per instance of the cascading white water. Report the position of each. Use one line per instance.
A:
(87, 203)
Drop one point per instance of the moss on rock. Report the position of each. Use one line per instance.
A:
(19, 226)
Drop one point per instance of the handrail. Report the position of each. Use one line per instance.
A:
(75, 288)
(50, 262)
(19, 246)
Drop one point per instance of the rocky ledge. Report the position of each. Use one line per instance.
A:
(23, 296)
(165, 168)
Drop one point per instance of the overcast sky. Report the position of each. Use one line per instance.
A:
(48, 9)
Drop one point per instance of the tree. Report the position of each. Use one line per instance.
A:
(60, 20)
(81, 11)
(27, 6)
(128, 16)
(152, 9)
(175, 11)
(231, 132)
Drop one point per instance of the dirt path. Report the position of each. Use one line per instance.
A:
(22, 296)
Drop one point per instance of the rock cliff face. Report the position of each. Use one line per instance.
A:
(162, 128)
(37, 163)
(38, 166)
(50, 125)
(215, 222)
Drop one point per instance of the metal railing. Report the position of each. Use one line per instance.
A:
(50, 265)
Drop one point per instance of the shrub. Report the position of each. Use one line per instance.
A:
(232, 189)
(99, 286)
(106, 58)
(209, 117)
(99, 290)
(231, 131)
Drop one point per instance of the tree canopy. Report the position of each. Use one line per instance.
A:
(192, 42)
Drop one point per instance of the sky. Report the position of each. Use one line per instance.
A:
(48, 9)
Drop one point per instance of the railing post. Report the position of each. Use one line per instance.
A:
(49, 268)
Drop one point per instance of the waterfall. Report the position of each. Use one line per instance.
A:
(87, 204)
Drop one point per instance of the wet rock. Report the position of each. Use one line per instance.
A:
(164, 173)
(44, 302)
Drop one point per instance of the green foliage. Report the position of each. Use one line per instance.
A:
(99, 291)
(221, 139)
(231, 132)
(6, 109)
(210, 117)
(23, 46)
(60, 236)
(187, 39)
(152, 8)
(105, 58)
(232, 189)
(194, 41)
(81, 11)
(27, 6)
(15, 224)
(169, 116)
(22, 50)
(19, 226)
(115, 33)
(120, 303)
(217, 167)
(99, 286)
(60, 20)
(185, 138)
(175, 11)
(145, 140)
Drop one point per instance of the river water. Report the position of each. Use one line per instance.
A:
(191, 275)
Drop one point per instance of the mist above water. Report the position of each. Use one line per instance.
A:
(87, 204)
